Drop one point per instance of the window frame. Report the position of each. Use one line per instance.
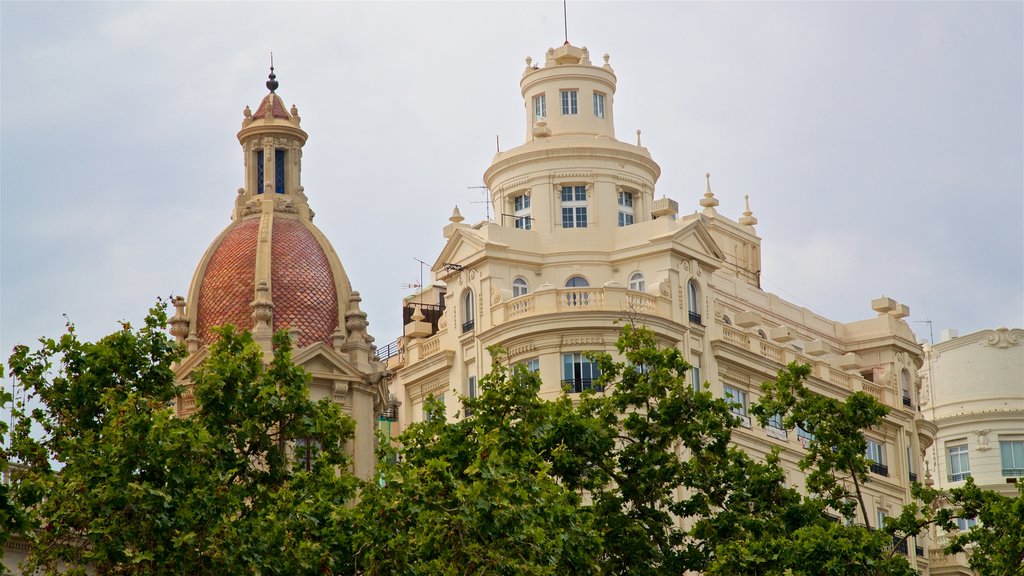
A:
(959, 454)
(569, 97)
(574, 204)
(520, 287)
(637, 282)
(599, 99)
(1015, 449)
(576, 382)
(540, 106)
(468, 311)
(522, 211)
(625, 201)
(872, 449)
(693, 301)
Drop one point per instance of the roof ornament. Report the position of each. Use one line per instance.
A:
(272, 83)
(709, 200)
(748, 217)
(638, 138)
(456, 216)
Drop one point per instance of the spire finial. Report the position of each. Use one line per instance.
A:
(272, 83)
(748, 217)
(638, 138)
(709, 200)
(456, 216)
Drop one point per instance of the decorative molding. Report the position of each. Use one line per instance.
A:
(1004, 338)
(513, 184)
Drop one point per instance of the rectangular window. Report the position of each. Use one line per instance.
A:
(598, 104)
(881, 519)
(695, 381)
(959, 463)
(471, 393)
(625, 200)
(540, 107)
(569, 102)
(521, 204)
(964, 524)
(910, 464)
(279, 171)
(574, 206)
(738, 399)
(259, 172)
(875, 452)
(1012, 454)
(579, 373)
(803, 435)
(533, 365)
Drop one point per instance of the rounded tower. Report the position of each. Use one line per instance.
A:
(572, 173)
(272, 269)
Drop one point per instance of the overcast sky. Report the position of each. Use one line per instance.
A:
(881, 143)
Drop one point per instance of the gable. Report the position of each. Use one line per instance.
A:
(463, 247)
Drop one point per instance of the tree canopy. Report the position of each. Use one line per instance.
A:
(640, 476)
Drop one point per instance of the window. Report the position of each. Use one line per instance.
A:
(881, 518)
(467, 311)
(577, 297)
(876, 454)
(636, 282)
(964, 524)
(959, 463)
(803, 436)
(569, 102)
(306, 450)
(775, 421)
(533, 365)
(520, 287)
(905, 385)
(521, 206)
(692, 301)
(738, 398)
(625, 208)
(278, 171)
(471, 393)
(695, 380)
(598, 104)
(540, 107)
(1012, 453)
(574, 206)
(910, 464)
(579, 373)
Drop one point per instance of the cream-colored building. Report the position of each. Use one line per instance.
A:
(582, 243)
(973, 390)
(271, 268)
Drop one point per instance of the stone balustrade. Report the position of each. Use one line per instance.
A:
(568, 300)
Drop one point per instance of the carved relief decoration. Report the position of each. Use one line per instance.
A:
(1004, 338)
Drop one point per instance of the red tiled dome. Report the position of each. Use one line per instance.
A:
(273, 106)
(302, 285)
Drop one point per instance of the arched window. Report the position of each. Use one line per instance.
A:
(905, 385)
(575, 296)
(520, 287)
(637, 282)
(693, 301)
(467, 311)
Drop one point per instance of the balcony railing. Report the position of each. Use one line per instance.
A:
(900, 546)
(578, 385)
(919, 550)
(695, 317)
(1014, 472)
(906, 400)
(912, 476)
(388, 350)
(582, 299)
(880, 469)
(467, 326)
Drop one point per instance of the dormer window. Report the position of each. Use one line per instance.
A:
(569, 103)
(540, 107)
(598, 105)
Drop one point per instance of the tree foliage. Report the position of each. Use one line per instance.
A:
(117, 485)
(641, 477)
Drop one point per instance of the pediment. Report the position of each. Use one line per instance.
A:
(696, 240)
(184, 370)
(319, 358)
(464, 245)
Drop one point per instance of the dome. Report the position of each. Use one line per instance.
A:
(304, 287)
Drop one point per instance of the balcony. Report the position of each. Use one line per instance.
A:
(695, 317)
(582, 299)
(578, 385)
(900, 546)
(880, 469)
(467, 326)
(906, 401)
(913, 477)
(919, 551)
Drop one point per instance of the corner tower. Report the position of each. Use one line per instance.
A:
(572, 173)
(272, 269)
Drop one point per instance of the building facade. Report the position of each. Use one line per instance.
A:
(973, 391)
(581, 244)
(272, 269)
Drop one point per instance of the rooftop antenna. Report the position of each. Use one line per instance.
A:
(931, 335)
(418, 286)
(485, 201)
(565, 21)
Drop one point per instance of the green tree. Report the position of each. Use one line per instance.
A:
(117, 485)
(477, 496)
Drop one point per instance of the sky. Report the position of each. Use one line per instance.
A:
(881, 143)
